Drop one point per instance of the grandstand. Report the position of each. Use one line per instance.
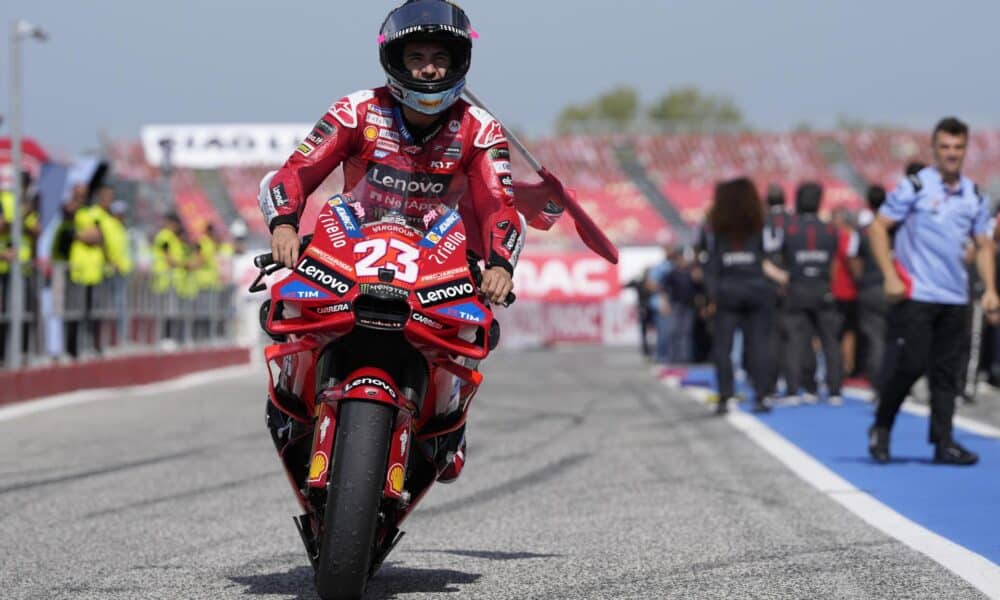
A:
(682, 168)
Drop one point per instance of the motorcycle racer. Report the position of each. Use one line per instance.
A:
(425, 49)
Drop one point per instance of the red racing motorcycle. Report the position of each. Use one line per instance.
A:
(378, 333)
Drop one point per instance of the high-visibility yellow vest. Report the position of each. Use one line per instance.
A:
(86, 261)
(116, 244)
(29, 223)
(207, 275)
(185, 279)
(165, 244)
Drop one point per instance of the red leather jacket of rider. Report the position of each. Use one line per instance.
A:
(465, 150)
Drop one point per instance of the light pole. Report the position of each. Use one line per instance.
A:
(15, 288)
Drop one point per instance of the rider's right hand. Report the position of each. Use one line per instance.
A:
(285, 245)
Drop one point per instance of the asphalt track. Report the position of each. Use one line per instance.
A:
(587, 478)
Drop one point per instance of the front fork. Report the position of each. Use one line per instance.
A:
(367, 384)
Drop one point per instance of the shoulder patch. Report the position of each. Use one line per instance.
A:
(915, 180)
(490, 130)
(345, 110)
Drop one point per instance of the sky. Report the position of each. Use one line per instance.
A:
(114, 66)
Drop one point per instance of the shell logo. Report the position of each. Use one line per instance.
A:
(371, 133)
(396, 478)
(317, 467)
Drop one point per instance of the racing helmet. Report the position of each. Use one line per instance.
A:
(426, 20)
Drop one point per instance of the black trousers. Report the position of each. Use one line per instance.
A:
(923, 338)
(872, 309)
(753, 316)
(803, 321)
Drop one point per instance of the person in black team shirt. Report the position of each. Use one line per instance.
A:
(736, 273)
(809, 246)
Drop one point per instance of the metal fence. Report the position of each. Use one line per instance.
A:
(64, 321)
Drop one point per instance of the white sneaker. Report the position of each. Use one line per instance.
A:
(808, 398)
(836, 401)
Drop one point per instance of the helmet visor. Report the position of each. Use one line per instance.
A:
(426, 16)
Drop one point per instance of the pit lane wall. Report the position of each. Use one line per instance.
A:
(126, 370)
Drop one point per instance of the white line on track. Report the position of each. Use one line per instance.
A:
(970, 566)
(977, 427)
(31, 407)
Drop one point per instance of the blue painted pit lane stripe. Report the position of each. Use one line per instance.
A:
(948, 513)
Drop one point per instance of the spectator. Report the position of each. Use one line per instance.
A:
(937, 210)
(776, 219)
(29, 233)
(119, 259)
(736, 278)
(661, 308)
(168, 269)
(645, 314)
(872, 305)
(808, 247)
(845, 291)
(86, 269)
(680, 290)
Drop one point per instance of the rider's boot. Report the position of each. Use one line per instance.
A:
(454, 455)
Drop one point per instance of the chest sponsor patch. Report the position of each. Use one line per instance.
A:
(413, 184)
(448, 291)
(378, 120)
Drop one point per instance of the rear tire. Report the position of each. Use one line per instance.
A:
(354, 492)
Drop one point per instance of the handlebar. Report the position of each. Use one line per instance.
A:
(266, 260)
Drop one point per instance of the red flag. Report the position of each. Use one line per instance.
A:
(542, 203)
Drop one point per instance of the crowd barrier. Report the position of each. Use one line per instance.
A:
(120, 315)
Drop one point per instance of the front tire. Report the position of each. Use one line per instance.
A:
(354, 492)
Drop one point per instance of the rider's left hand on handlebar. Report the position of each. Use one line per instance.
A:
(497, 283)
(285, 245)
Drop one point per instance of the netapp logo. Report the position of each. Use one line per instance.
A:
(421, 184)
(372, 381)
(446, 292)
(315, 271)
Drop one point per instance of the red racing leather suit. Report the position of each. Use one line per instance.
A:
(465, 150)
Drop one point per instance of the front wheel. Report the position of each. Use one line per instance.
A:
(354, 491)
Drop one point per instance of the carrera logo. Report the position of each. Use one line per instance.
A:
(373, 382)
(330, 309)
(319, 273)
(427, 321)
(446, 292)
(420, 184)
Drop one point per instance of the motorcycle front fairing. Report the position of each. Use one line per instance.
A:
(382, 306)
